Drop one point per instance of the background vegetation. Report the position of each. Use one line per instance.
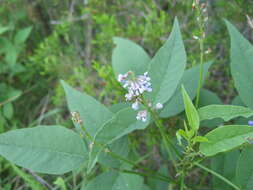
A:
(42, 42)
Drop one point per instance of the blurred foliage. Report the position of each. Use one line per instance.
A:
(44, 41)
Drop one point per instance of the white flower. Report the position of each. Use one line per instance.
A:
(158, 106)
(142, 115)
(136, 105)
(122, 78)
(135, 86)
(129, 96)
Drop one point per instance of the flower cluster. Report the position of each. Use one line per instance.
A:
(136, 86)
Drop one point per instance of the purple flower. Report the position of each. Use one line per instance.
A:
(250, 122)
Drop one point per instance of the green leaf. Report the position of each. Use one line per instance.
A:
(237, 101)
(199, 139)
(8, 110)
(122, 123)
(11, 55)
(60, 183)
(225, 112)
(224, 164)
(244, 171)
(190, 80)
(207, 98)
(119, 106)
(167, 67)
(44, 149)
(225, 138)
(113, 180)
(241, 55)
(119, 147)
(156, 184)
(4, 29)
(190, 110)
(22, 35)
(129, 56)
(92, 113)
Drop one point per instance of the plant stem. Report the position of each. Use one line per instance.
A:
(142, 174)
(201, 47)
(182, 183)
(217, 175)
(166, 138)
(140, 167)
(124, 159)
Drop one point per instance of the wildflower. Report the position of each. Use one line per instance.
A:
(76, 117)
(250, 122)
(142, 115)
(135, 105)
(158, 106)
(135, 85)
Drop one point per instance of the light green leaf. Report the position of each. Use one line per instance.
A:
(190, 110)
(129, 56)
(92, 113)
(241, 55)
(22, 35)
(113, 180)
(60, 183)
(167, 67)
(4, 29)
(44, 149)
(8, 110)
(225, 138)
(244, 171)
(11, 55)
(225, 112)
(190, 80)
(224, 164)
(199, 139)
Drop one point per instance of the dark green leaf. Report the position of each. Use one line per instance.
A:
(241, 64)
(244, 172)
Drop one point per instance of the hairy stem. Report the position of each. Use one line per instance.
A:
(217, 175)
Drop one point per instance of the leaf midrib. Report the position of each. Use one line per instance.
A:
(173, 39)
(47, 150)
